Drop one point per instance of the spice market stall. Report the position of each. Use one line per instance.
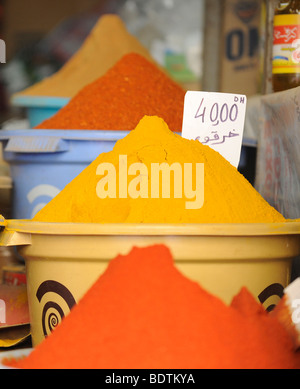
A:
(151, 248)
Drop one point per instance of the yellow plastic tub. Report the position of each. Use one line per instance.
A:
(64, 259)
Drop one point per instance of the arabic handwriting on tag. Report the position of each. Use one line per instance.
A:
(216, 137)
(216, 120)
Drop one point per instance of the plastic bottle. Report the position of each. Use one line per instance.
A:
(286, 46)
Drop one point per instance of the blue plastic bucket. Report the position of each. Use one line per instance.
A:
(39, 108)
(43, 162)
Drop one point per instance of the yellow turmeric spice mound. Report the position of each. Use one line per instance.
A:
(108, 42)
(126, 176)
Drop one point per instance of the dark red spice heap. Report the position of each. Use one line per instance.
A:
(132, 88)
(143, 313)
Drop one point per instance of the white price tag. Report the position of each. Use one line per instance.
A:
(217, 120)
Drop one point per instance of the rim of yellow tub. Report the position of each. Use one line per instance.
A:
(216, 229)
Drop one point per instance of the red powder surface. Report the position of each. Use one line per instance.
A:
(143, 313)
(132, 88)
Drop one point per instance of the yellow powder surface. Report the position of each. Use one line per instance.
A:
(228, 196)
(108, 42)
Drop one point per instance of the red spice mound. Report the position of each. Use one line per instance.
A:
(132, 88)
(143, 313)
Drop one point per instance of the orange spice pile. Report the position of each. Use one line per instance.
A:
(143, 313)
(132, 88)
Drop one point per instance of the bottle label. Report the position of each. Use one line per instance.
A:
(286, 44)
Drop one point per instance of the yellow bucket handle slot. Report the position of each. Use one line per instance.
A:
(12, 238)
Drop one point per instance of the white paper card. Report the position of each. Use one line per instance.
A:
(217, 120)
